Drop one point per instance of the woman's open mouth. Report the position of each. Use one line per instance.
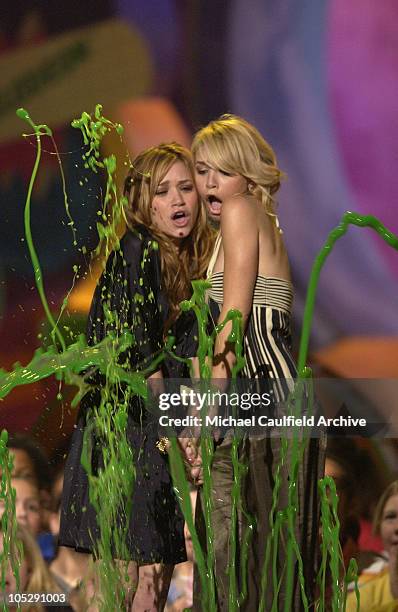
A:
(180, 218)
(214, 204)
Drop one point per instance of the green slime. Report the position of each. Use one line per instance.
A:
(12, 551)
(348, 218)
(116, 478)
(205, 351)
(94, 129)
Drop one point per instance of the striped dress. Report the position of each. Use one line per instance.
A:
(267, 339)
(266, 345)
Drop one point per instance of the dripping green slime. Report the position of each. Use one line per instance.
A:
(115, 480)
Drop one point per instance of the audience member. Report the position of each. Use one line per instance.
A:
(353, 468)
(27, 504)
(378, 586)
(34, 576)
(30, 462)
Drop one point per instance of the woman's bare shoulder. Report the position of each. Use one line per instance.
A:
(239, 223)
(239, 209)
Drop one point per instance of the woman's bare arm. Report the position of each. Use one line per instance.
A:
(240, 239)
(239, 231)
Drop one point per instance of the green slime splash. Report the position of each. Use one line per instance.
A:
(78, 357)
(348, 218)
(12, 551)
(39, 130)
(93, 130)
(205, 351)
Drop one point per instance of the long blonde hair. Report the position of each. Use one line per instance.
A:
(39, 579)
(233, 145)
(187, 261)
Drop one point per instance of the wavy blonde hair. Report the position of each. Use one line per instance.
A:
(233, 145)
(39, 578)
(180, 262)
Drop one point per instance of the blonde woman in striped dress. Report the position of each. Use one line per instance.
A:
(237, 176)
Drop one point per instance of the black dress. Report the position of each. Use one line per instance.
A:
(131, 287)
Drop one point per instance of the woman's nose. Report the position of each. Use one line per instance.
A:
(177, 198)
(211, 180)
(20, 513)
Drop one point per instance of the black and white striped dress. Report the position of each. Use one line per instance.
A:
(267, 351)
(267, 338)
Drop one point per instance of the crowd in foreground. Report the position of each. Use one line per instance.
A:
(368, 533)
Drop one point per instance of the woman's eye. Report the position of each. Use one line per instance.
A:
(160, 193)
(187, 188)
(201, 171)
(225, 173)
(33, 507)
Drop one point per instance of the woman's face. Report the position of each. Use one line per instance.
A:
(27, 504)
(389, 524)
(174, 208)
(216, 186)
(23, 466)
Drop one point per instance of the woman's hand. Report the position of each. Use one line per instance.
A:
(190, 448)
